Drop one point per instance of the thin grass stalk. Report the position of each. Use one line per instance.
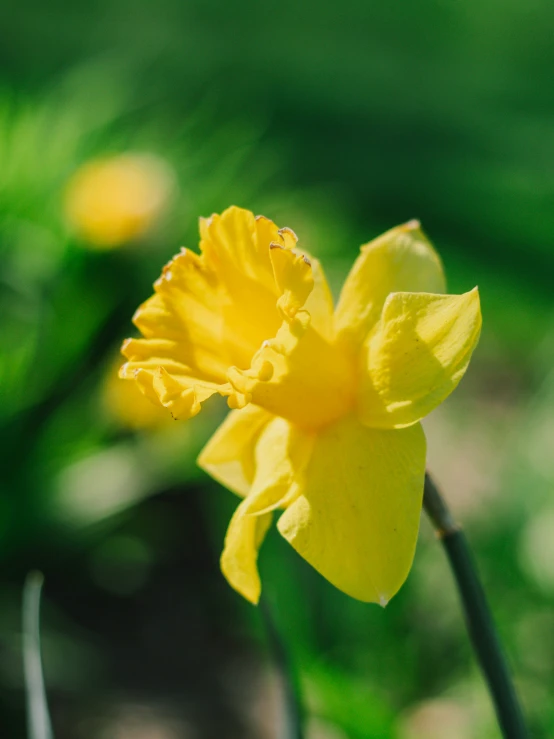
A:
(38, 716)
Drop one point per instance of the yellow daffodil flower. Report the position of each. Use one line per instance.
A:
(326, 403)
(113, 200)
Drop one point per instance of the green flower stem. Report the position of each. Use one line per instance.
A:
(477, 614)
(293, 705)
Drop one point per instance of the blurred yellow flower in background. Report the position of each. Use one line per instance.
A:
(113, 200)
(326, 402)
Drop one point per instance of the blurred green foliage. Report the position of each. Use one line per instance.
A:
(339, 122)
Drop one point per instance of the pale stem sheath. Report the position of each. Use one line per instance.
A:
(38, 718)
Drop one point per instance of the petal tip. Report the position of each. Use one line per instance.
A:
(250, 590)
(125, 347)
(290, 239)
(473, 299)
(136, 315)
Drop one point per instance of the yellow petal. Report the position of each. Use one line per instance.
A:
(304, 284)
(402, 259)
(149, 354)
(235, 244)
(357, 518)
(186, 310)
(320, 303)
(417, 356)
(183, 396)
(293, 276)
(264, 458)
(154, 364)
(229, 456)
(240, 554)
(281, 455)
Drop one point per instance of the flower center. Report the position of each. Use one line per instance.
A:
(300, 376)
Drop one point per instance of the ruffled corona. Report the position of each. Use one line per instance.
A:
(234, 320)
(325, 403)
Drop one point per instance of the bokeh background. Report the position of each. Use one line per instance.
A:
(120, 123)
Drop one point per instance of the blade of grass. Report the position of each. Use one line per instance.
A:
(38, 717)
